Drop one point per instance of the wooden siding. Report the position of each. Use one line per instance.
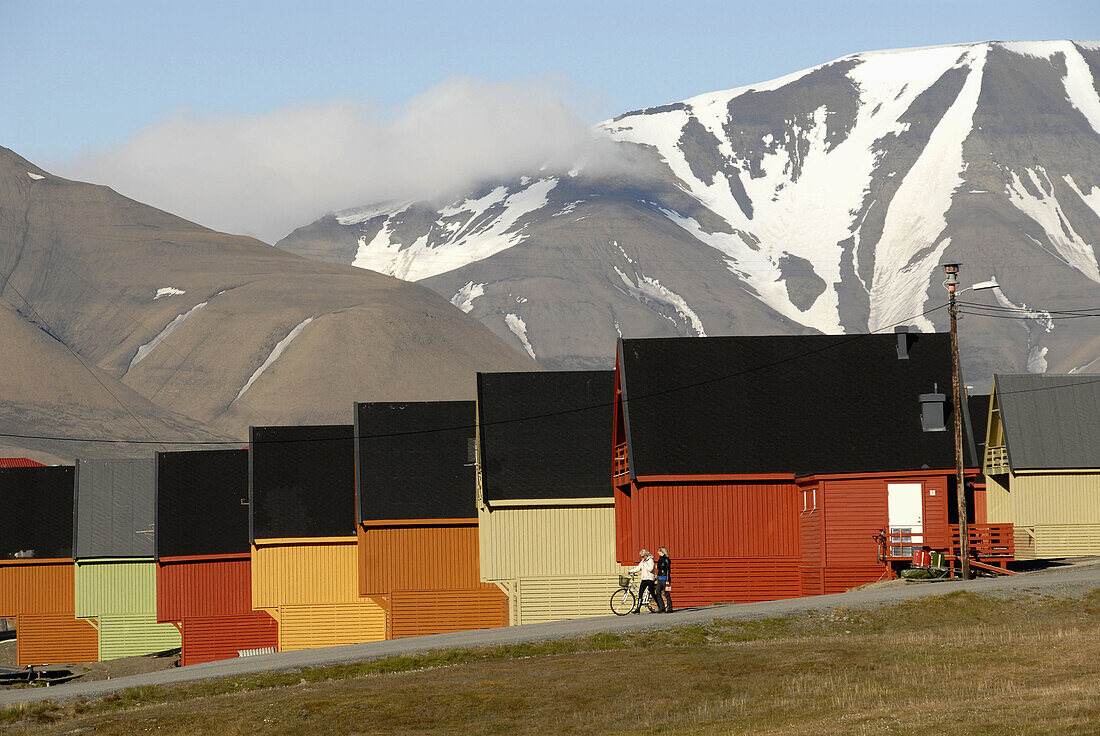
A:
(192, 589)
(624, 524)
(839, 578)
(55, 638)
(212, 638)
(701, 582)
(540, 600)
(812, 569)
(331, 625)
(418, 613)
(43, 587)
(937, 530)
(547, 542)
(116, 588)
(301, 572)
(1056, 541)
(855, 510)
(134, 635)
(717, 520)
(418, 558)
(1032, 499)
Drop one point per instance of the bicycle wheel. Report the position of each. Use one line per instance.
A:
(622, 601)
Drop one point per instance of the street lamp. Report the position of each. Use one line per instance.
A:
(952, 283)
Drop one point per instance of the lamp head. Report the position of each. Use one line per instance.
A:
(952, 271)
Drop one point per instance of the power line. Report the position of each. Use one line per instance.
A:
(603, 405)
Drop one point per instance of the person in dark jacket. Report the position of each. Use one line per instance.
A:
(664, 581)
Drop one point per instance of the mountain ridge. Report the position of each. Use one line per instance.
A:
(823, 200)
(199, 334)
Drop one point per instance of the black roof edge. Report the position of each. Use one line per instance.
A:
(479, 480)
(355, 448)
(76, 491)
(156, 505)
(626, 410)
(251, 482)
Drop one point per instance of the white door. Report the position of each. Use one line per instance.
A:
(906, 511)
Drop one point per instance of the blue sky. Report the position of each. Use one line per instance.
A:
(95, 73)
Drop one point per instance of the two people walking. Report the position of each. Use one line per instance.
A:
(656, 577)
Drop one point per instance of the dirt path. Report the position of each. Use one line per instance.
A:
(1056, 582)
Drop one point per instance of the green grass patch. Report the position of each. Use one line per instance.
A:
(848, 670)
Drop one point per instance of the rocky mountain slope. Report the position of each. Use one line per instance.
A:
(196, 333)
(825, 201)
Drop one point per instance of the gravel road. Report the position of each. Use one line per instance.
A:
(1072, 580)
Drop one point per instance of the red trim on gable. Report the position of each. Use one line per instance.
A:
(205, 558)
(717, 478)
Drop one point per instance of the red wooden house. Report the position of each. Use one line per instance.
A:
(204, 564)
(768, 465)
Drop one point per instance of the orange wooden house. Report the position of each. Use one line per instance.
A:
(417, 518)
(37, 572)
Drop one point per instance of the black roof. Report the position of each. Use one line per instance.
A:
(36, 512)
(202, 503)
(781, 404)
(546, 435)
(413, 461)
(302, 481)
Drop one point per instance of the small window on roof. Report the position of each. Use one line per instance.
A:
(932, 411)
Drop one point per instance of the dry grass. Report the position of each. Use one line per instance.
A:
(960, 664)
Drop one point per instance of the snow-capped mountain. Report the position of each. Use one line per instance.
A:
(825, 200)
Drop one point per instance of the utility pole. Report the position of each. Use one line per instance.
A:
(952, 282)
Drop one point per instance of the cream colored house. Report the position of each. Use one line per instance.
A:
(546, 513)
(1042, 463)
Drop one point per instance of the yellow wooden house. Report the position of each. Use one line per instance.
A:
(1042, 463)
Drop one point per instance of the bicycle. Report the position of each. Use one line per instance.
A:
(625, 599)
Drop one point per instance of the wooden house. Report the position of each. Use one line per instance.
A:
(116, 575)
(775, 467)
(204, 564)
(418, 530)
(545, 503)
(1042, 462)
(37, 573)
(302, 530)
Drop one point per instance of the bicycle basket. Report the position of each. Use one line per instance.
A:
(624, 581)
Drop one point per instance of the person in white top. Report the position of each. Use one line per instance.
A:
(645, 566)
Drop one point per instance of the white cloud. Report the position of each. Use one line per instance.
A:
(266, 174)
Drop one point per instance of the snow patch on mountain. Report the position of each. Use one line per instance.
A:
(650, 290)
(36, 177)
(444, 249)
(519, 329)
(804, 213)
(1047, 212)
(1092, 198)
(1037, 360)
(358, 215)
(1080, 85)
(168, 291)
(144, 350)
(464, 299)
(912, 244)
(1025, 312)
(275, 353)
